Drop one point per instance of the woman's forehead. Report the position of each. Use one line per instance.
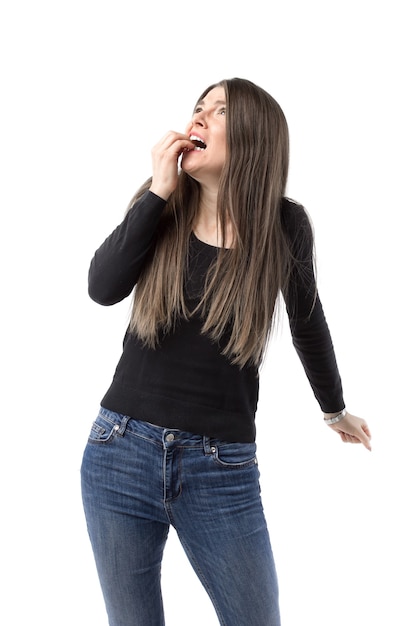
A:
(215, 95)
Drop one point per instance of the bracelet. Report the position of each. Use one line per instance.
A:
(336, 418)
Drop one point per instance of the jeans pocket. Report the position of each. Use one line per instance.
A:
(102, 431)
(235, 454)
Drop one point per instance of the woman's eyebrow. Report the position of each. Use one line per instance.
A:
(215, 103)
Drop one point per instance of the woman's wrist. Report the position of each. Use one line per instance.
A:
(334, 418)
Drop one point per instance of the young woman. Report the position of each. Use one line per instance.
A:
(208, 250)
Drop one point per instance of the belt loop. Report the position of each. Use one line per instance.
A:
(123, 425)
(208, 445)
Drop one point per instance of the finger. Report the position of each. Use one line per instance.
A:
(366, 430)
(366, 439)
(362, 438)
(351, 439)
(348, 438)
(174, 138)
(173, 142)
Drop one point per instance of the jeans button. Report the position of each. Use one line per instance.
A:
(170, 437)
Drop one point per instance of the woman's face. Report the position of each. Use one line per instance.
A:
(207, 129)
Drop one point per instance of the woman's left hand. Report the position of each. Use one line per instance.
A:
(353, 429)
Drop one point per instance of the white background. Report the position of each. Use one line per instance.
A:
(87, 88)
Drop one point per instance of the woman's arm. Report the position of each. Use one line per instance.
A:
(116, 265)
(310, 332)
(313, 343)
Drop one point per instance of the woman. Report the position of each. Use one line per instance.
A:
(208, 251)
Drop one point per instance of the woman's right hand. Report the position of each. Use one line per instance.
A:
(165, 156)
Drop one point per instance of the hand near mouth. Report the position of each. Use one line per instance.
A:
(165, 155)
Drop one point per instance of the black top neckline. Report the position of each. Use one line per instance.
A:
(205, 244)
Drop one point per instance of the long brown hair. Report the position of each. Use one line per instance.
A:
(242, 288)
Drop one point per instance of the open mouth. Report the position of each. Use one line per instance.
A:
(199, 143)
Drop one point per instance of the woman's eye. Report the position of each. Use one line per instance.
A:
(222, 111)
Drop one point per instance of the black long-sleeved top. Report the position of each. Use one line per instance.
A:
(185, 382)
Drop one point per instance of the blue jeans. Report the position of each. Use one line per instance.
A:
(139, 479)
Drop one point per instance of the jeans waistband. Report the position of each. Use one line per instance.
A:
(159, 434)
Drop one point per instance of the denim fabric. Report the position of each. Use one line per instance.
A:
(139, 479)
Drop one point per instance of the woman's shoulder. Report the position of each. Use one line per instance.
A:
(294, 217)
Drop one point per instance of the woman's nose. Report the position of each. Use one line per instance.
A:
(200, 118)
